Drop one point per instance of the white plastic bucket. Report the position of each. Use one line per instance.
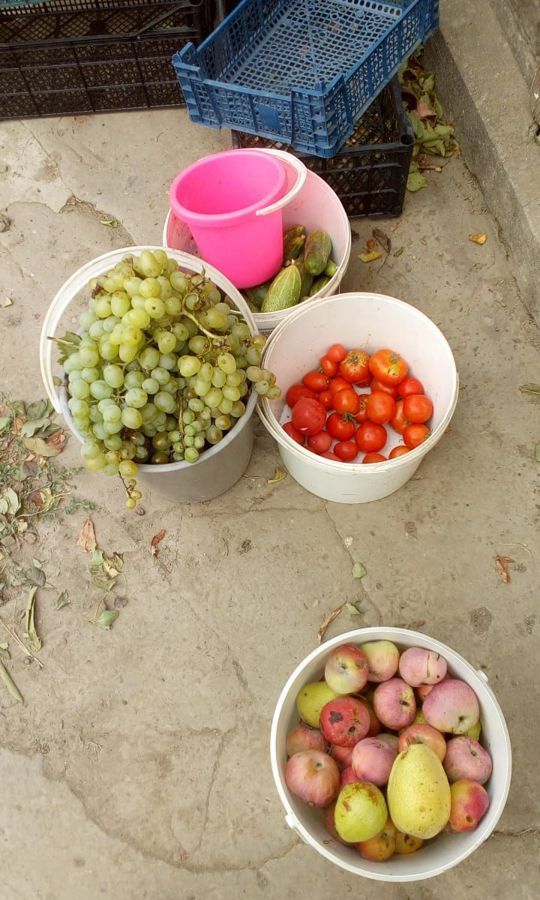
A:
(447, 849)
(316, 206)
(368, 321)
(219, 467)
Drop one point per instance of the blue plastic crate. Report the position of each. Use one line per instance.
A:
(300, 71)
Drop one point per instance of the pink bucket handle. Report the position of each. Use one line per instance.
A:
(301, 175)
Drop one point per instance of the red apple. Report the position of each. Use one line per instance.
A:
(346, 669)
(313, 777)
(344, 721)
(382, 846)
(373, 760)
(451, 706)
(466, 758)
(423, 734)
(304, 738)
(470, 802)
(394, 703)
(342, 755)
(419, 666)
(348, 776)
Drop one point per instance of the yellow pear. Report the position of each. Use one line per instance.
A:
(419, 793)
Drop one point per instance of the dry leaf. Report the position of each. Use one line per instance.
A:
(112, 223)
(399, 251)
(62, 600)
(371, 244)
(328, 621)
(382, 238)
(530, 389)
(278, 476)
(7, 301)
(369, 257)
(10, 684)
(502, 563)
(156, 540)
(30, 621)
(352, 609)
(359, 570)
(58, 439)
(87, 536)
(423, 111)
(478, 239)
(41, 447)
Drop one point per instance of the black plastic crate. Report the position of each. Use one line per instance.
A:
(369, 174)
(82, 56)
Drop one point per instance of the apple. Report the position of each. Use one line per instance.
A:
(418, 666)
(394, 703)
(348, 776)
(451, 706)
(470, 802)
(407, 843)
(466, 758)
(311, 699)
(374, 724)
(346, 669)
(304, 738)
(383, 659)
(344, 721)
(361, 812)
(313, 777)
(390, 739)
(342, 755)
(423, 734)
(382, 846)
(372, 760)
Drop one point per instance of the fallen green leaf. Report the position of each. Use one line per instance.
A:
(29, 429)
(359, 570)
(5, 421)
(416, 181)
(62, 600)
(352, 609)
(38, 409)
(530, 388)
(30, 621)
(10, 684)
(67, 345)
(107, 618)
(11, 504)
(537, 452)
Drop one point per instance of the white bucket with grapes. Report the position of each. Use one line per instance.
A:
(161, 379)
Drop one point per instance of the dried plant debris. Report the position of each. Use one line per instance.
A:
(104, 570)
(155, 541)
(87, 536)
(501, 564)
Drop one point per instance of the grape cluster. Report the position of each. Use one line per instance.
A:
(161, 368)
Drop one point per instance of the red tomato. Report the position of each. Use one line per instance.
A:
(346, 450)
(414, 435)
(347, 401)
(316, 381)
(329, 366)
(294, 433)
(399, 422)
(296, 391)
(417, 408)
(331, 456)
(361, 415)
(319, 443)
(326, 398)
(371, 437)
(355, 367)
(340, 427)
(410, 386)
(308, 415)
(389, 367)
(339, 384)
(373, 458)
(400, 450)
(377, 385)
(336, 353)
(380, 407)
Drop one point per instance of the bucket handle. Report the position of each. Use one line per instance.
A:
(301, 175)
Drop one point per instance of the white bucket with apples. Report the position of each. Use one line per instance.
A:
(445, 850)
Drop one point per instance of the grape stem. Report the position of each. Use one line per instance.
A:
(209, 334)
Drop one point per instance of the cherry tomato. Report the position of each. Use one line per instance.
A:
(414, 435)
(377, 385)
(308, 415)
(329, 366)
(296, 391)
(326, 398)
(361, 415)
(339, 384)
(340, 427)
(316, 381)
(373, 458)
(319, 443)
(371, 437)
(336, 353)
(294, 433)
(380, 407)
(388, 367)
(417, 408)
(346, 450)
(400, 450)
(410, 386)
(347, 401)
(355, 367)
(331, 456)
(399, 422)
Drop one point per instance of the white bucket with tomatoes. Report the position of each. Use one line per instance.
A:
(370, 323)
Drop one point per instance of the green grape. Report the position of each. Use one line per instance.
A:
(198, 427)
(100, 389)
(90, 449)
(111, 456)
(241, 331)
(103, 307)
(165, 289)
(88, 317)
(114, 376)
(171, 423)
(97, 330)
(225, 406)
(242, 375)
(161, 441)
(198, 443)
(147, 264)
(155, 307)
(164, 402)
(179, 282)
(149, 358)
(73, 363)
(205, 415)
(112, 413)
(238, 409)
(136, 398)
(149, 413)
(226, 363)
(199, 344)
(189, 440)
(262, 387)
(132, 285)
(95, 463)
(214, 434)
(253, 356)
(160, 421)
(231, 393)
(188, 416)
(138, 302)
(79, 389)
(244, 390)
(108, 350)
(149, 430)
(166, 342)
(223, 422)
(134, 379)
(191, 326)
(160, 458)
(110, 324)
(235, 378)
(180, 331)
(218, 378)
(139, 318)
(175, 436)
(189, 431)
(141, 454)
(113, 442)
(150, 385)
(206, 371)
(127, 353)
(120, 303)
(94, 414)
(211, 292)
(81, 424)
(258, 340)
(254, 373)
(241, 362)
(104, 403)
(117, 334)
(89, 356)
(171, 386)
(138, 439)
(131, 503)
(167, 361)
(188, 366)
(150, 288)
(110, 468)
(98, 430)
(196, 405)
(89, 374)
(132, 418)
(273, 393)
(132, 336)
(127, 450)
(78, 407)
(234, 344)
(214, 397)
(173, 305)
(202, 387)
(161, 375)
(217, 319)
(128, 469)
(192, 302)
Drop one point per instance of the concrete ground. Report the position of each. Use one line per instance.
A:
(138, 768)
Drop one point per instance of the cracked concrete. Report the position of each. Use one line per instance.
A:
(138, 768)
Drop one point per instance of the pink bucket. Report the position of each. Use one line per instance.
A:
(232, 203)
